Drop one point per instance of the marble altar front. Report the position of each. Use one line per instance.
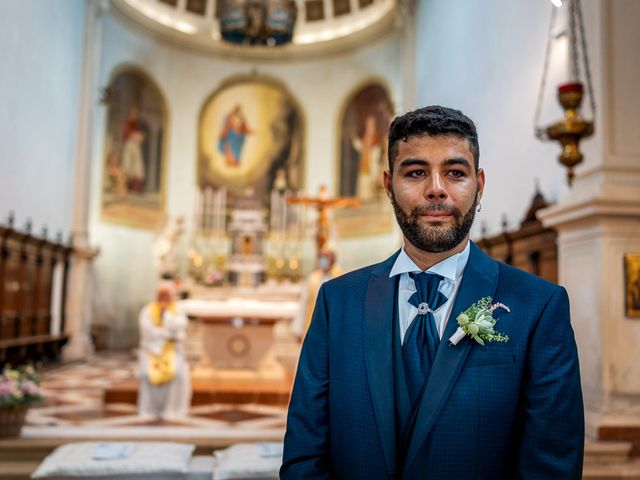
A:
(235, 329)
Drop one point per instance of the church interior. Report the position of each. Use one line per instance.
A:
(226, 156)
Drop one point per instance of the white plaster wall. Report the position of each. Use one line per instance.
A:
(486, 59)
(40, 66)
(124, 272)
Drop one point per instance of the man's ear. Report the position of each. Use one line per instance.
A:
(387, 183)
(480, 179)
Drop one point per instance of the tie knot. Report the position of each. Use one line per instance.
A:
(427, 291)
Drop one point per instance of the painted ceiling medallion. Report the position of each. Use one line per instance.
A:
(258, 22)
(251, 28)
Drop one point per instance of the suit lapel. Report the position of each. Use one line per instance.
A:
(379, 305)
(479, 280)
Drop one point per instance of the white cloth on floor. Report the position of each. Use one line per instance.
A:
(148, 460)
(112, 451)
(248, 461)
(171, 399)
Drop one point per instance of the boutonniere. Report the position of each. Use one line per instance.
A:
(477, 322)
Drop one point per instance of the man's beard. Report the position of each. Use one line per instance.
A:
(435, 238)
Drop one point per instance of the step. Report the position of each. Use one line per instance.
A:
(627, 471)
(27, 450)
(600, 452)
(17, 470)
(205, 391)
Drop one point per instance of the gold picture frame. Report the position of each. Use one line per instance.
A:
(632, 284)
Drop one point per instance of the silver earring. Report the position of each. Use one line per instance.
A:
(479, 207)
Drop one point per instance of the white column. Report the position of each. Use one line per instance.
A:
(56, 298)
(598, 221)
(408, 26)
(79, 292)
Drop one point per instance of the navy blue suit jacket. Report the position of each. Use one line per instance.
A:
(500, 411)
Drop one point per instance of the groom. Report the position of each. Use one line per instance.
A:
(382, 393)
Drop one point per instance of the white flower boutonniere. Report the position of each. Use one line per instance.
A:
(477, 322)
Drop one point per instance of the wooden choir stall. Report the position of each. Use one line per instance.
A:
(33, 284)
(532, 247)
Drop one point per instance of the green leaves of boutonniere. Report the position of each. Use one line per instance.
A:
(477, 322)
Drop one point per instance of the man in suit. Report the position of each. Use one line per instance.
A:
(380, 390)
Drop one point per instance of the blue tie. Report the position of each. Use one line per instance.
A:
(421, 340)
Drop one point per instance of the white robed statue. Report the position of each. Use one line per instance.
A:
(165, 386)
(326, 269)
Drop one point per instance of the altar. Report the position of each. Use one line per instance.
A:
(235, 328)
(239, 346)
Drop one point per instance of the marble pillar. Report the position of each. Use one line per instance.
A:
(78, 308)
(598, 222)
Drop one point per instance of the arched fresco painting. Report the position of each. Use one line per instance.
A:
(250, 133)
(362, 158)
(134, 163)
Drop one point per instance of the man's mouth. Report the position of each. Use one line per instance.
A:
(435, 217)
(435, 214)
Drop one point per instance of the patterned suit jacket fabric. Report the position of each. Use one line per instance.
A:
(499, 411)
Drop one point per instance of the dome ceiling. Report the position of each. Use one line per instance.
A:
(323, 26)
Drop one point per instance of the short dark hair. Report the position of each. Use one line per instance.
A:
(434, 121)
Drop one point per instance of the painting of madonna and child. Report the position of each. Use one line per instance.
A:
(133, 180)
(250, 134)
(362, 158)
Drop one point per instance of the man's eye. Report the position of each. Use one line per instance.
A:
(416, 173)
(456, 173)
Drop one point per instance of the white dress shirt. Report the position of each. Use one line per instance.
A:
(451, 268)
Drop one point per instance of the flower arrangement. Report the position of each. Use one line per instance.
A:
(477, 322)
(19, 387)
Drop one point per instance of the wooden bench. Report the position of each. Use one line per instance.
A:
(33, 348)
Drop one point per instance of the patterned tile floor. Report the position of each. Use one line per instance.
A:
(74, 408)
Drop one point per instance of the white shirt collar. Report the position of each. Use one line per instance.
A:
(450, 268)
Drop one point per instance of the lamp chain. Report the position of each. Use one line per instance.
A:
(576, 28)
(585, 57)
(541, 132)
(573, 37)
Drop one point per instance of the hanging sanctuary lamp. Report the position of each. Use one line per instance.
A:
(572, 128)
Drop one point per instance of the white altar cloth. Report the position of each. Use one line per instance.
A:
(239, 307)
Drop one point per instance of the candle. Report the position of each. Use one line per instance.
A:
(223, 211)
(216, 212)
(197, 220)
(208, 197)
(273, 205)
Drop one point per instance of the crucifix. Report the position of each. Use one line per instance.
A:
(323, 203)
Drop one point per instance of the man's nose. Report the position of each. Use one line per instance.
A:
(435, 189)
